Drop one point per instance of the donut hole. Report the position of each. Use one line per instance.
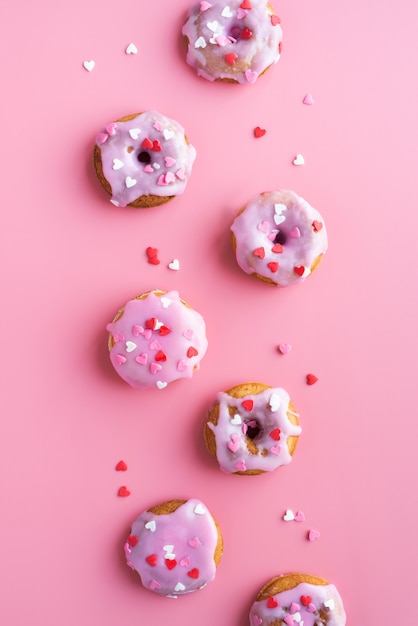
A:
(235, 32)
(144, 157)
(280, 238)
(254, 429)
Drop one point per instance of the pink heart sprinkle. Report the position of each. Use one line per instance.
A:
(204, 6)
(241, 13)
(233, 446)
(295, 233)
(161, 181)
(155, 345)
(194, 542)
(249, 74)
(142, 358)
(251, 424)
(102, 138)
(264, 226)
(299, 516)
(311, 608)
(235, 438)
(244, 429)
(276, 449)
(181, 366)
(181, 174)
(147, 333)
(289, 620)
(285, 348)
(313, 535)
(118, 337)
(188, 333)
(120, 359)
(257, 620)
(272, 236)
(222, 40)
(154, 584)
(137, 330)
(308, 99)
(240, 466)
(169, 161)
(155, 367)
(111, 129)
(148, 168)
(169, 178)
(294, 607)
(157, 126)
(185, 562)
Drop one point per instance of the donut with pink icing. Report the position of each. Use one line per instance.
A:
(296, 599)
(234, 41)
(252, 428)
(143, 160)
(175, 547)
(279, 238)
(156, 338)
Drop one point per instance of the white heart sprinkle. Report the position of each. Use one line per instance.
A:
(168, 549)
(174, 265)
(226, 12)
(170, 557)
(158, 325)
(199, 509)
(200, 43)
(160, 384)
(278, 219)
(274, 402)
(298, 160)
(168, 134)
(279, 208)
(236, 420)
(88, 65)
(130, 182)
(115, 202)
(151, 526)
(330, 604)
(130, 346)
(297, 617)
(117, 164)
(289, 516)
(165, 302)
(213, 26)
(131, 49)
(134, 132)
(179, 587)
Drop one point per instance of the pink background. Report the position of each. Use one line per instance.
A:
(70, 260)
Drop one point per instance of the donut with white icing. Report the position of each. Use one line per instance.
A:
(143, 160)
(175, 547)
(279, 238)
(234, 41)
(252, 428)
(295, 599)
(156, 338)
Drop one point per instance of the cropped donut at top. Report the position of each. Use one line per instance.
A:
(143, 160)
(279, 238)
(233, 41)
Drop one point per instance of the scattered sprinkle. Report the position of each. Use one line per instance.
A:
(285, 348)
(298, 160)
(123, 492)
(313, 535)
(259, 132)
(131, 49)
(174, 265)
(152, 255)
(89, 65)
(121, 466)
(311, 379)
(308, 99)
(299, 516)
(133, 540)
(289, 516)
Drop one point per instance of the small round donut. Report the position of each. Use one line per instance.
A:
(143, 160)
(156, 338)
(279, 238)
(232, 41)
(252, 428)
(175, 547)
(293, 599)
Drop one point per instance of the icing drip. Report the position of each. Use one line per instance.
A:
(304, 605)
(147, 155)
(174, 553)
(252, 432)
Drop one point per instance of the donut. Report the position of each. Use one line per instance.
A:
(156, 338)
(279, 238)
(175, 547)
(251, 429)
(143, 160)
(234, 41)
(295, 599)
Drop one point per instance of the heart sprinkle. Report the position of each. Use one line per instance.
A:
(273, 266)
(248, 405)
(306, 600)
(317, 226)
(300, 517)
(194, 573)
(329, 604)
(251, 76)
(152, 560)
(134, 132)
(240, 466)
(311, 379)
(160, 384)
(231, 58)
(133, 540)
(199, 509)
(191, 352)
(299, 270)
(285, 348)
(151, 526)
(275, 434)
(274, 402)
(259, 132)
(308, 99)
(174, 265)
(259, 252)
(194, 542)
(289, 516)
(88, 65)
(131, 49)
(272, 603)
(123, 492)
(313, 535)
(275, 19)
(298, 160)
(170, 563)
(152, 255)
(121, 466)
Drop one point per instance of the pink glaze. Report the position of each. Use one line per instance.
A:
(161, 142)
(279, 236)
(236, 39)
(158, 339)
(174, 553)
(269, 413)
(300, 606)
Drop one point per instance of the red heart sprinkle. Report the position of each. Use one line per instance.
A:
(259, 132)
(272, 603)
(231, 58)
(160, 356)
(152, 560)
(277, 248)
(248, 405)
(192, 352)
(154, 261)
(170, 563)
(273, 266)
(311, 379)
(194, 573)
(299, 270)
(306, 600)
(121, 466)
(146, 144)
(246, 5)
(275, 434)
(164, 330)
(123, 492)
(132, 540)
(259, 252)
(152, 254)
(151, 323)
(156, 147)
(246, 33)
(317, 225)
(275, 19)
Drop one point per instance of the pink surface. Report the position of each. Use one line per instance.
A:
(70, 260)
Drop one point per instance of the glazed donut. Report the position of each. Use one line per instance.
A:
(175, 547)
(295, 599)
(251, 429)
(234, 41)
(143, 160)
(156, 338)
(279, 238)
